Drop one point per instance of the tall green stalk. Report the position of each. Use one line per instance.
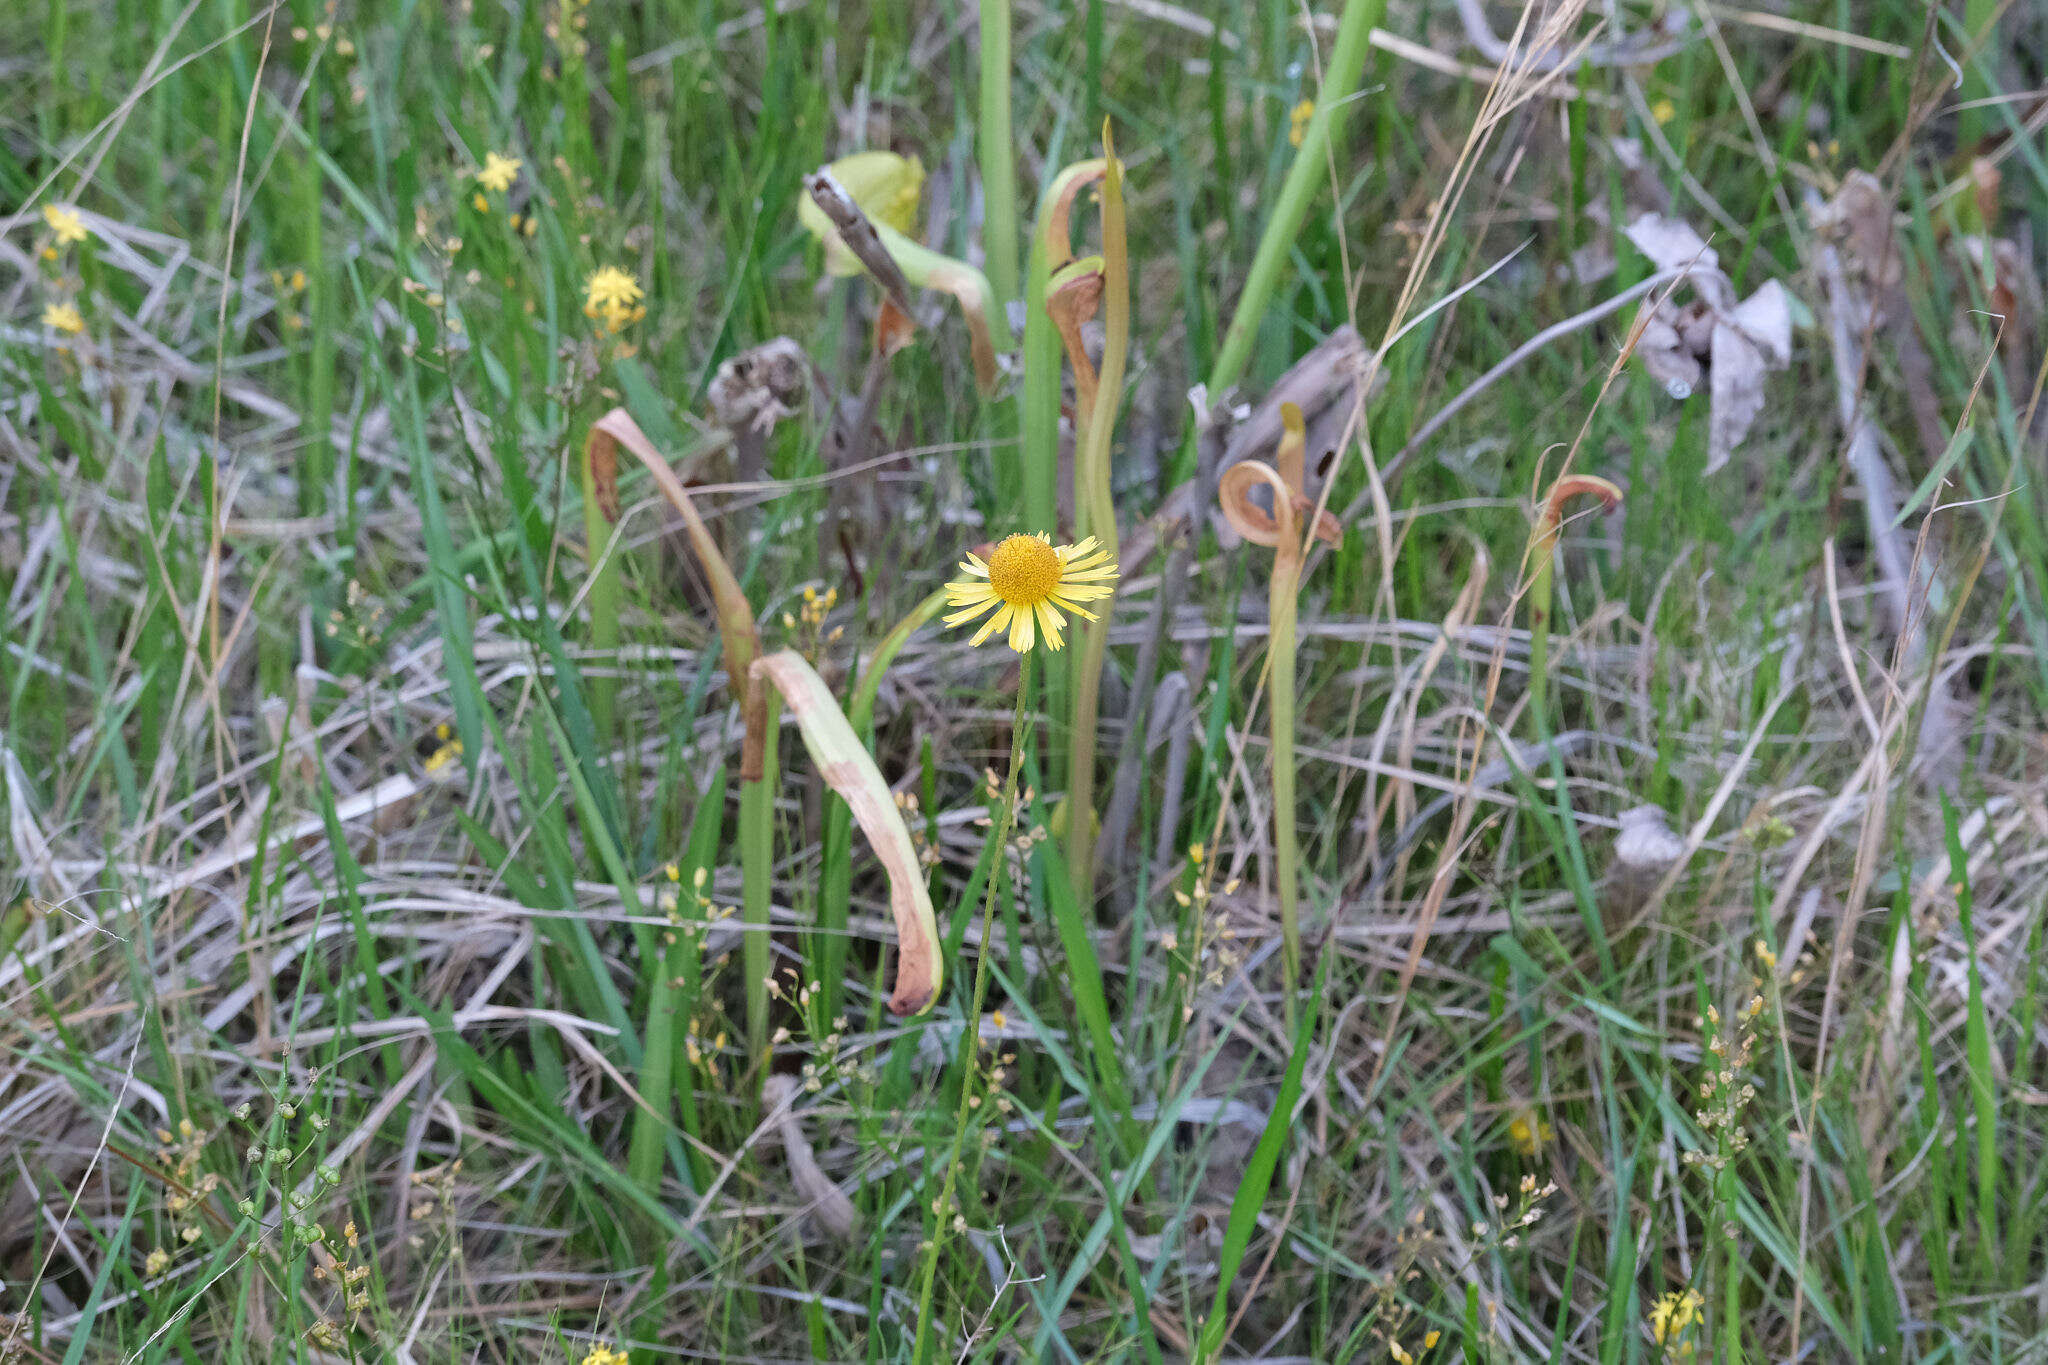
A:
(1282, 532)
(1304, 176)
(998, 152)
(757, 867)
(970, 1031)
(1097, 514)
(602, 602)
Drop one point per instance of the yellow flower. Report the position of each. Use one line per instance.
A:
(1674, 1313)
(1527, 1133)
(610, 287)
(66, 224)
(1663, 111)
(605, 1355)
(887, 188)
(1028, 583)
(1297, 122)
(613, 296)
(499, 172)
(157, 1262)
(64, 318)
(479, 203)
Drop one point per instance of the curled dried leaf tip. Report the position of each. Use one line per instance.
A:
(1281, 527)
(1563, 491)
(1056, 233)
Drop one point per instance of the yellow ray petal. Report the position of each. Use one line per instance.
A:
(994, 623)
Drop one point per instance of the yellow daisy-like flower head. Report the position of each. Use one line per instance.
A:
(64, 317)
(610, 287)
(65, 223)
(605, 1355)
(499, 172)
(1028, 582)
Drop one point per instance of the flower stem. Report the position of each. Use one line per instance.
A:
(970, 1031)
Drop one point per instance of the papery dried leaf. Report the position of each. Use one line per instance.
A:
(820, 1194)
(847, 767)
(1765, 317)
(1735, 377)
(1666, 357)
(1646, 840)
(1670, 243)
(1755, 337)
(1860, 214)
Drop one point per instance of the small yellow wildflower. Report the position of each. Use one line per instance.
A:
(69, 228)
(443, 756)
(157, 1262)
(1027, 583)
(610, 285)
(530, 225)
(1764, 956)
(1430, 1340)
(1663, 111)
(478, 202)
(1401, 1357)
(64, 317)
(1672, 1314)
(499, 172)
(605, 1355)
(613, 296)
(1297, 124)
(1527, 1133)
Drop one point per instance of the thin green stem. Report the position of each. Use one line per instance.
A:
(1281, 603)
(970, 1031)
(757, 866)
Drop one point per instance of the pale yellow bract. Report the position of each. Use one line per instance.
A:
(1028, 582)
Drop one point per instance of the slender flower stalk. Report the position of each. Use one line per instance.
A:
(970, 1030)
